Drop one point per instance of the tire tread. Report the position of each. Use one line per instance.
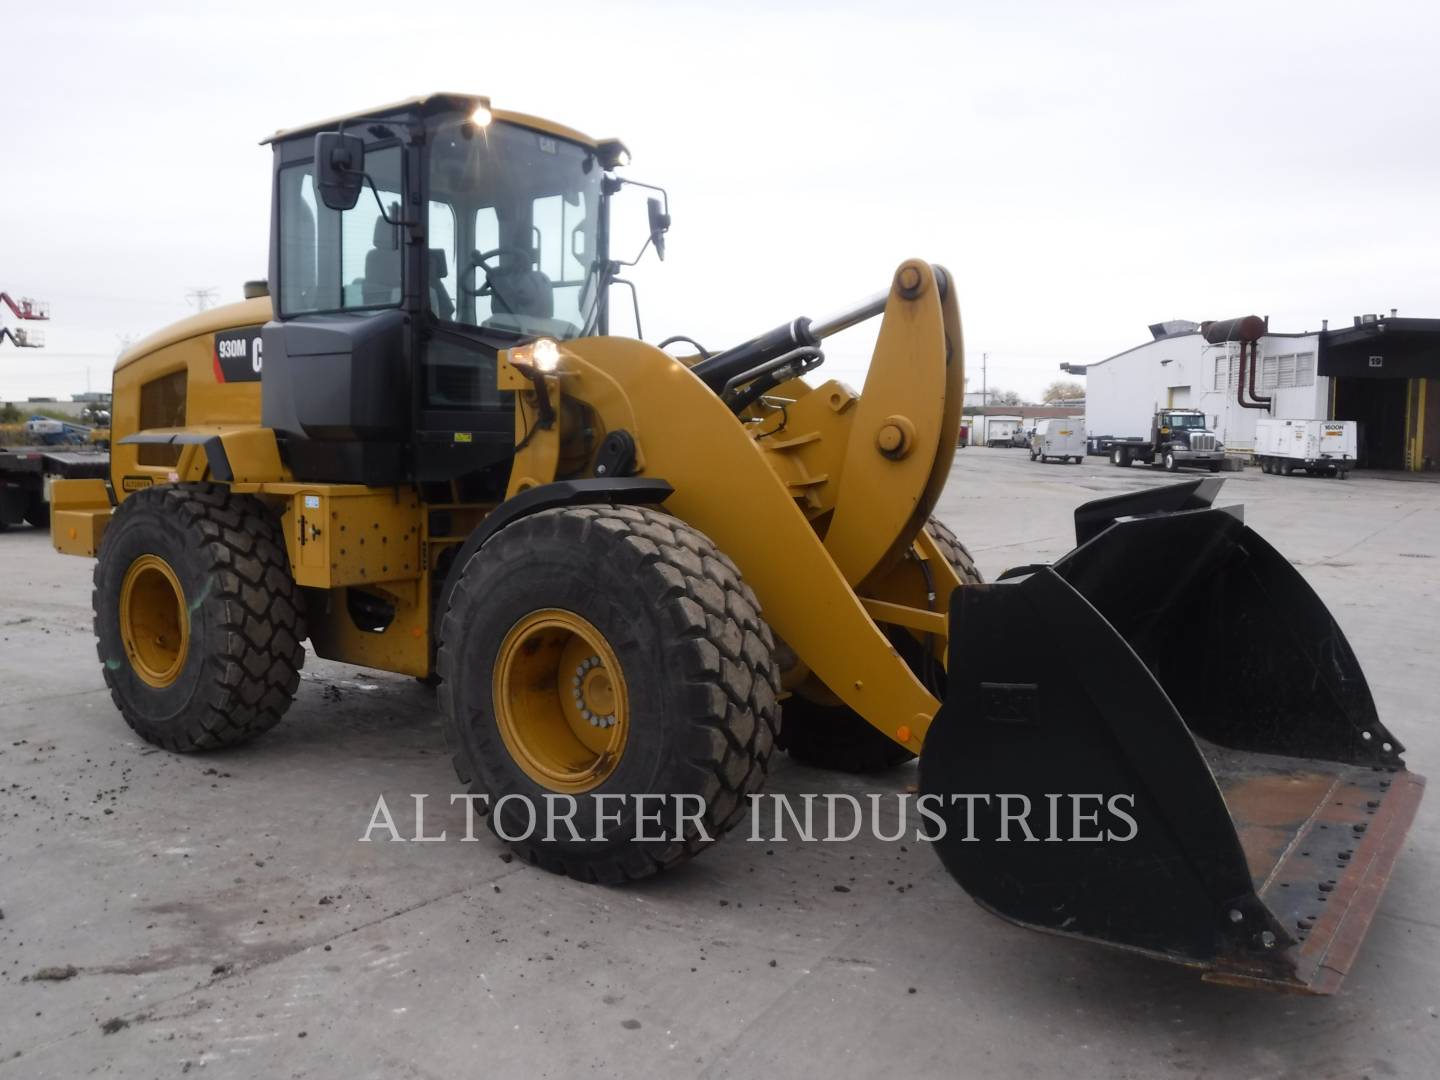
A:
(719, 642)
(248, 683)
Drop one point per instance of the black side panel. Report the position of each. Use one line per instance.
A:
(337, 377)
(374, 463)
(336, 391)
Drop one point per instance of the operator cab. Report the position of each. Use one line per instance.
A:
(410, 244)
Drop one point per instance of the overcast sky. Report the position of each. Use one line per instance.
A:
(1084, 169)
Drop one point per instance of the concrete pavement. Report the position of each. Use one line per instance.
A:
(223, 919)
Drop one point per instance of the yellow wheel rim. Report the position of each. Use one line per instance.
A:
(560, 701)
(154, 624)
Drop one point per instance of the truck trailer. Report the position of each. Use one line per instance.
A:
(1317, 447)
(27, 472)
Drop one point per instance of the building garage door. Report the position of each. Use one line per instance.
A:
(1378, 408)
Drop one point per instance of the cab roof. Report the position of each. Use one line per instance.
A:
(436, 103)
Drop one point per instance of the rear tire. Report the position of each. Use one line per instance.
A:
(691, 698)
(37, 511)
(835, 736)
(198, 622)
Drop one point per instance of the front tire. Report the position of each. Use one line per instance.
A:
(198, 622)
(607, 651)
(1171, 465)
(834, 736)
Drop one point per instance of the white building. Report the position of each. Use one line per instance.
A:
(1183, 371)
(1375, 372)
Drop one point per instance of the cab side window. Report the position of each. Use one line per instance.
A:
(487, 238)
(330, 260)
(441, 231)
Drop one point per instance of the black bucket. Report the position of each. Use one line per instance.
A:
(1188, 740)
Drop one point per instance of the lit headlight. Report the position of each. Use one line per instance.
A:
(545, 354)
(482, 116)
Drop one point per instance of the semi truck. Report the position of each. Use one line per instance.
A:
(1317, 447)
(1179, 438)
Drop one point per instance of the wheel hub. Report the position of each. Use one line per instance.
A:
(594, 693)
(154, 622)
(560, 700)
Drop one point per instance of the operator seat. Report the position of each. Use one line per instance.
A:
(382, 264)
(440, 301)
(527, 293)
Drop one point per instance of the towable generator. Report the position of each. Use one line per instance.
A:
(419, 447)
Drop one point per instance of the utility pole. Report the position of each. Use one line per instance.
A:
(984, 379)
(201, 298)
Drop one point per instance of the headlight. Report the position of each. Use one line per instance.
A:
(546, 355)
(482, 116)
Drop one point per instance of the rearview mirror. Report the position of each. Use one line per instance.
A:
(339, 169)
(659, 226)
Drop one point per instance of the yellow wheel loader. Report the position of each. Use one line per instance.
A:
(418, 447)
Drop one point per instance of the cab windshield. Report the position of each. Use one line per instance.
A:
(1184, 420)
(513, 229)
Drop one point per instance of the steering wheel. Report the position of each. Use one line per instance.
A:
(478, 262)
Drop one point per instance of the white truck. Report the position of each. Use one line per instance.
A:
(1318, 447)
(1062, 438)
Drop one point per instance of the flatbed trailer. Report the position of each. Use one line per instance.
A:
(26, 473)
